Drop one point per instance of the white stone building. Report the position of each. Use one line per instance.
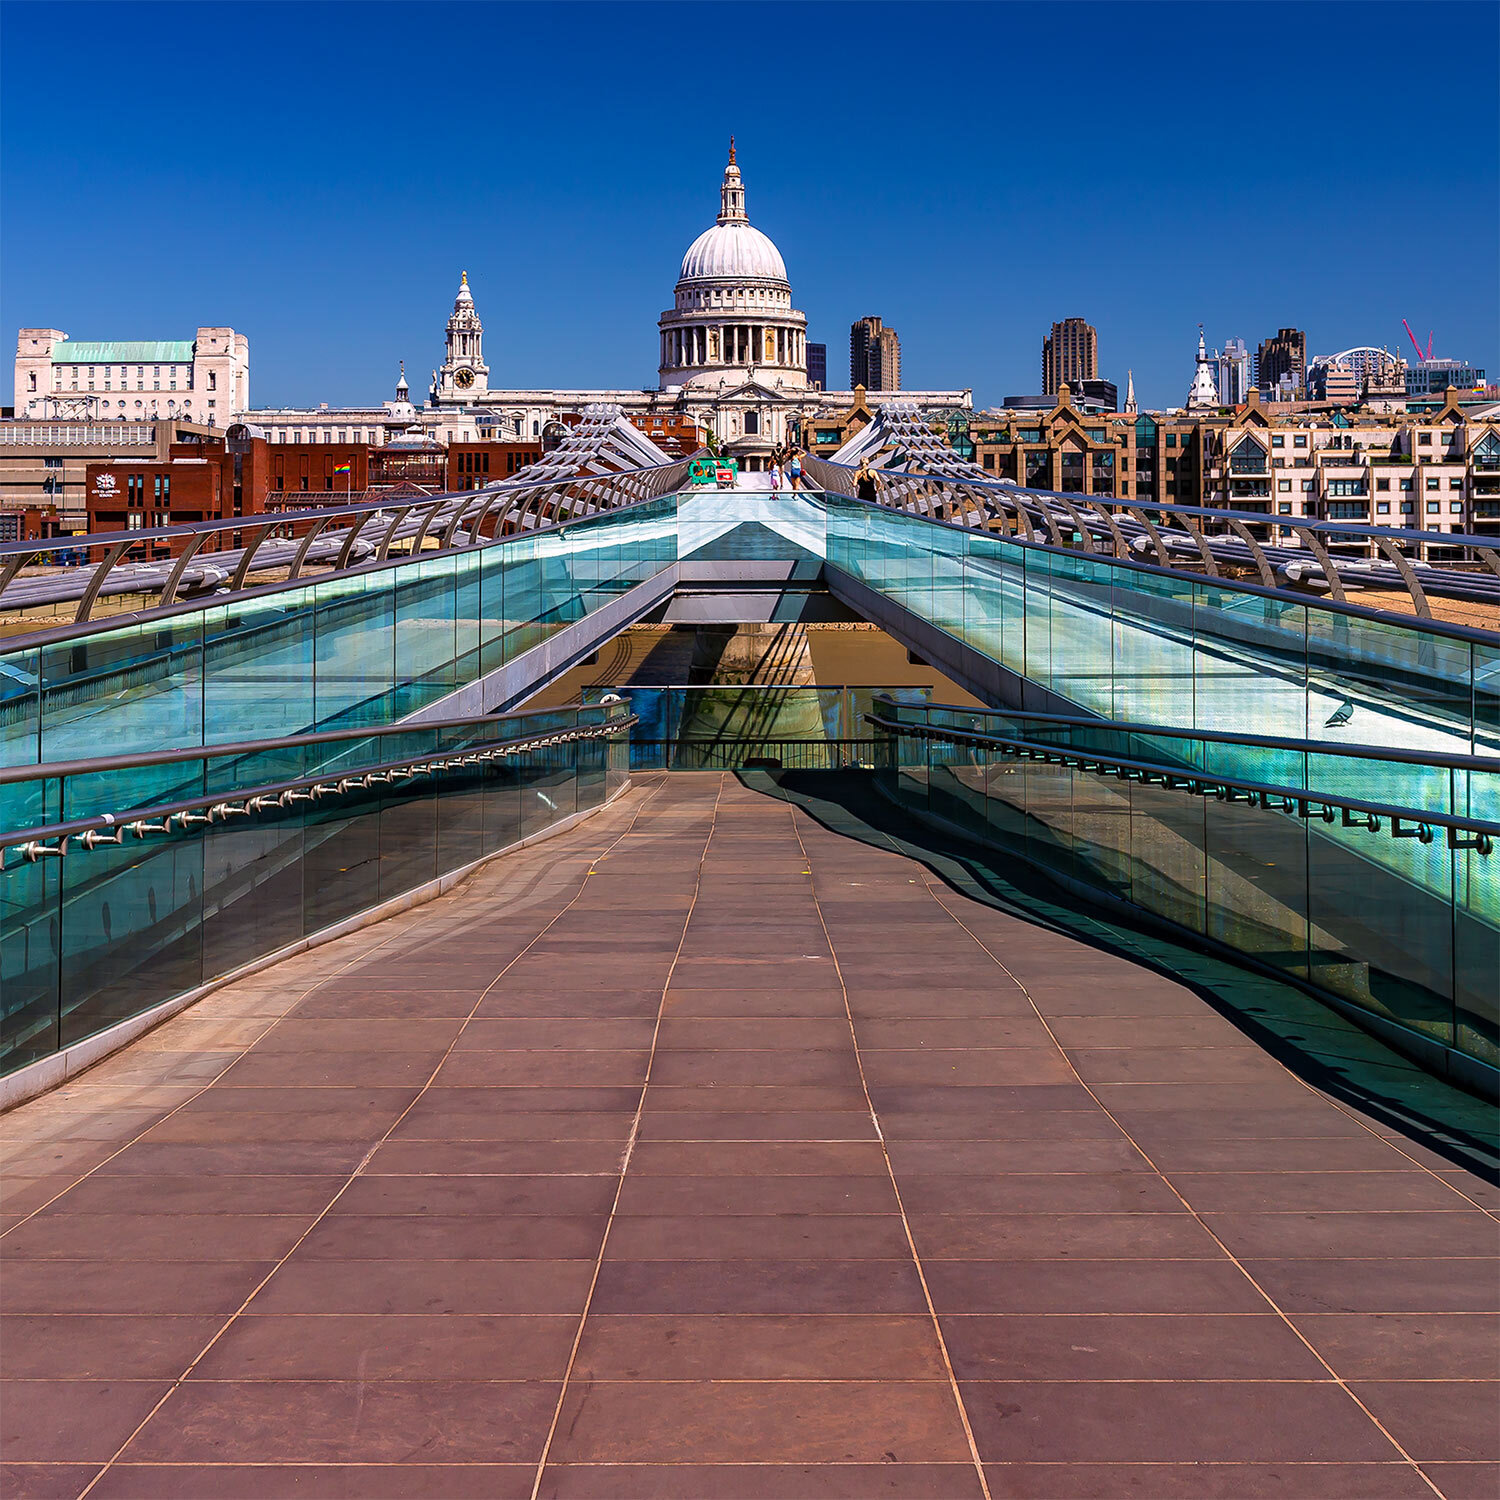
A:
(205, 379)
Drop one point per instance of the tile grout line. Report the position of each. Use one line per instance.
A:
(630, 1144)
(937, 1327)
(359, 1168)
(1172, 1188)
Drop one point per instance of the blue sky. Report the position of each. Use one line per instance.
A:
(969, 172)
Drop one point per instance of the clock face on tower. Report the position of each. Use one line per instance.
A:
(463, 379)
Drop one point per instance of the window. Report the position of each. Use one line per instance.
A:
(1425, 439)
(1284, 508)
(213, 380)
(1284, 485)
(135, 520)
(1382, 507)
(1433, 484)
(1097, 435)
(1406, 484)
(1299, 441)
(1247, 457)
(1278, 441)
(1455, 508)
(1407, 507)
(1455, 484)
(1382, 484)
(1434, 507)
(1346, 487)
(752, 422)
(1171, 440)
(1307, 486)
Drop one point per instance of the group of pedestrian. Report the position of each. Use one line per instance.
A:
(786, 464)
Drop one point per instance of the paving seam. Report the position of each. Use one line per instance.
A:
(1172, 1188)
(859, 1062)
(365, 1160)
(635, 1128)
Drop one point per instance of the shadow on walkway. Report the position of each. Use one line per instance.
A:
(1312, 1040)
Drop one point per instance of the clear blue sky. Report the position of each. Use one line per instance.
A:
(969, 172)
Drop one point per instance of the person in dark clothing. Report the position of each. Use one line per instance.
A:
(865, 486)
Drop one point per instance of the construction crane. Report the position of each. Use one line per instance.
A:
(1415, 345)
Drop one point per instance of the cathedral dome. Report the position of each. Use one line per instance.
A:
(732, 252)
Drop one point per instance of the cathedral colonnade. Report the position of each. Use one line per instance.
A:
(733, 344)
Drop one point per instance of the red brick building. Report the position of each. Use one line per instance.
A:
(241, 474)
(471, 466)
(672, 432)
(208, 479)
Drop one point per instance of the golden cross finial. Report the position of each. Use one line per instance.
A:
(731, 151)
(465, 276)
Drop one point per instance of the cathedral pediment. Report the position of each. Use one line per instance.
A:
(755, 390)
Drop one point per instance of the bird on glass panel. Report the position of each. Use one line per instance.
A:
(1341, 715)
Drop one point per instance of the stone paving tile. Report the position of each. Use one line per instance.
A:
(722, 1422)
(399, 1481)
(420, 1252)
(883, 1480)
(1166, 1421)
(1209, 1481)
(1465, 1481)
(32, 1481)
(1416, 1346)
(349, 1421)
(1438, 1421)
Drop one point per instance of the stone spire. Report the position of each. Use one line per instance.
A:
(403, 391)
(1204, 394)
(1130, 406)
(732, 193)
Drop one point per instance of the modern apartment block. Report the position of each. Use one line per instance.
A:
(1070, 355)
(1281, 364)
(817, 366)
(874, 356)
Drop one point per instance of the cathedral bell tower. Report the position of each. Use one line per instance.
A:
(464, 378)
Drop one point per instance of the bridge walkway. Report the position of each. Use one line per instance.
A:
(703, 1151)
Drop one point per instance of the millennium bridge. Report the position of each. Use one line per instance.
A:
(461, 1039)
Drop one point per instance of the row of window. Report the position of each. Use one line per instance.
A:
(135, 489)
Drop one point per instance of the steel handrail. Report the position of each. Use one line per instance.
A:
(75, 629)
(1471, 635)
(1172, 507)
(313, 512)
(1448, 760)
(33, 771)
(330, 781)
(1303, 801)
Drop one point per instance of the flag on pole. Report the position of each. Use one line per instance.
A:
(342, 468)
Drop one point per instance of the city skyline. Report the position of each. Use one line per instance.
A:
(339, 265)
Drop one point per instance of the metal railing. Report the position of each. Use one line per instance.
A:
(1327, 806)
(924, 476)
(131, 882)
(99, 829)
(1389, 910)
(590, 472)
